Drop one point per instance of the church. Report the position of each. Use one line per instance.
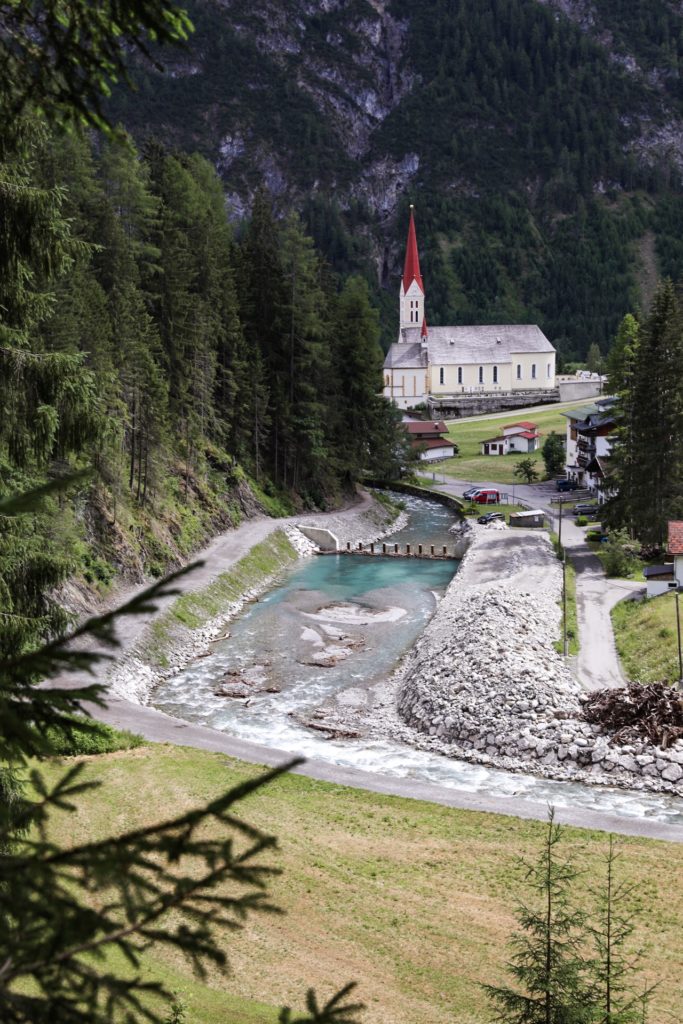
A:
(448, 368)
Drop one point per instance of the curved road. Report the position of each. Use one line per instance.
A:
(158, 727)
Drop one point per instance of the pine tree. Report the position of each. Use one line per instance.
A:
(621, 376)
(657, 418)
(615, 913)
(547, 960)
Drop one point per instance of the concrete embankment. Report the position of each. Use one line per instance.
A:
(485, 684)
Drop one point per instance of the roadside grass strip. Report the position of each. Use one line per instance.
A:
(413, 900)
(646, 638)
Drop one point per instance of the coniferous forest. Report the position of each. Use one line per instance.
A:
(198, 374)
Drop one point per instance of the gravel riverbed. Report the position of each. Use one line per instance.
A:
(484, 683)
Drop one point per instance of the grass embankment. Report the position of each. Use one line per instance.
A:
(412, 900)
(572, 619)
(190, 611)
(646, 638)
(470, 464)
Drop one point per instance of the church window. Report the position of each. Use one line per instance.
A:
(495, 374)
(481, 374)
(519, 371)
(441, 375)
(548, 370)
(460, 375)
(533, 371)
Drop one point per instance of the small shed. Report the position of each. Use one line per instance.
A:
(528, 518)
(659, 579)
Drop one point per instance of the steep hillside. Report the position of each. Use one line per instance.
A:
(540, 140)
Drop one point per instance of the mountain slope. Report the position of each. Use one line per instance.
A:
(540, 140)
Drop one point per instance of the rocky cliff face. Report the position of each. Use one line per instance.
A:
(503, 119)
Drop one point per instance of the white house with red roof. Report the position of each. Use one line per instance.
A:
(516, 437)
(431, 439)
(675, 549)
(443, 362)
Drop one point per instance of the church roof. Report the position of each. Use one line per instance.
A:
(407, 356)
(481, 344)
(411, 267)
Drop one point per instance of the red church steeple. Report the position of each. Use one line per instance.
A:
(411, 268)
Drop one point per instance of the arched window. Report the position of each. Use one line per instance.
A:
(548, 373)
(495, 374)
(533, 371)
(519, 371)
(460, 375)
(441, 375)
(481, 374)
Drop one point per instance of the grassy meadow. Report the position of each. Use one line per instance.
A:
(646, 638)
(412, 900)
(468, 434)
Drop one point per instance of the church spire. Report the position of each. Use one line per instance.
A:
(412, 292)
(411, 267)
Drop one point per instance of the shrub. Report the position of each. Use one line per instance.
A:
(87, 736)
(619, 554)
(582, 520)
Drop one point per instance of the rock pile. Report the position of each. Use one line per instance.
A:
(485, 683)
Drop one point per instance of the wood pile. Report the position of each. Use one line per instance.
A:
(653, 711)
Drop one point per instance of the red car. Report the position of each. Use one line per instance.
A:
(487, 497)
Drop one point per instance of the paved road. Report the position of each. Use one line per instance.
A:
(598, 663)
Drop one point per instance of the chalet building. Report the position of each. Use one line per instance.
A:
(520, 437)
(590, 429)
(660, 579)
(675, 549)
(431, 439)
(431, 365)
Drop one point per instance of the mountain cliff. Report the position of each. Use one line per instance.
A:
(541, 141)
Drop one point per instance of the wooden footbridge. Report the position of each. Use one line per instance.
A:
(396, 551)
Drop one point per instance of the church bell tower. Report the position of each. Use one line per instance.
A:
(412, 296)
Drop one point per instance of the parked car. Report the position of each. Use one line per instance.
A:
(565, 484)
(487, 496)
(587, 510)
(490, 517)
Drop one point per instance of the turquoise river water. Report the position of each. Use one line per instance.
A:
(341, 621)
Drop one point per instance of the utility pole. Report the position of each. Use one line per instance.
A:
(565, 644)
(678, 631)
(559, 532)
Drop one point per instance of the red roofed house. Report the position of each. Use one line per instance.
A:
(675, 548)
(516, 437)
(431, 439)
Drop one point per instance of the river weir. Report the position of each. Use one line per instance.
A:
(329, 631)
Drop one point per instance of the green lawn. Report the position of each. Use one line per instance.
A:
(412, 900)
(646, 638)
(469, 464)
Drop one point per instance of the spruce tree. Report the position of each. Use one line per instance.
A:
(616, 904)
(547, 962)
(657, 418)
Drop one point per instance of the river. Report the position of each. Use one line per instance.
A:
(338, 623)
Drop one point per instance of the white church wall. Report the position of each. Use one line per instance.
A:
(469, 379)
(412, 306)
(532, 370)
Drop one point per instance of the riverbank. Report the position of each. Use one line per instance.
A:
(186, 629)
(485, 684)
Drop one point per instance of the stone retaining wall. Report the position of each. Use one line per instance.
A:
(484, 682)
